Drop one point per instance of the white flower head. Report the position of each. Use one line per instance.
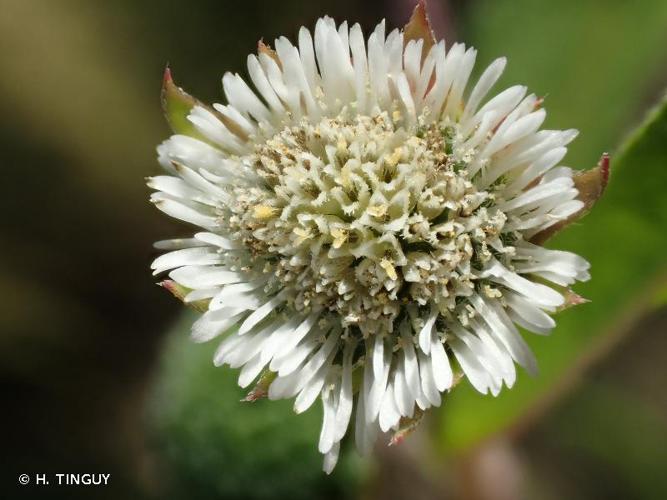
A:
(364, 209)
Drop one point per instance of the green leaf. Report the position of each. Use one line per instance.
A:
(176, 105)
(624, 239)
(214, 445)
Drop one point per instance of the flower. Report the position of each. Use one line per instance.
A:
(364, 212)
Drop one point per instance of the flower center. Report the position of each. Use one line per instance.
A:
(359, 216)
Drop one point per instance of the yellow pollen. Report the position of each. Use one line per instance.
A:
(393, 159)
(377, 210)
(388, 267)
(303, 234)
(342, 144)
(264, 211)
(345, 178)
(339, 236)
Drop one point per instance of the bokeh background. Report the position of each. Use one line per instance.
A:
(97, 373)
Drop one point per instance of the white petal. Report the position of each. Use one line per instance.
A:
(213, 323)
(473, 370)
(506, 332)
(186, 214)
(426, 331)
(428, 382)
(331, 459)
(345, 398)
(200, 256)
(251, 371)
(483, 85)
(328, 418)
(388, 416)
(312, 387)
(261, 313)
(205, 276)
(442, 370)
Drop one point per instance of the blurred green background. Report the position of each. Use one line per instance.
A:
(96, 368)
